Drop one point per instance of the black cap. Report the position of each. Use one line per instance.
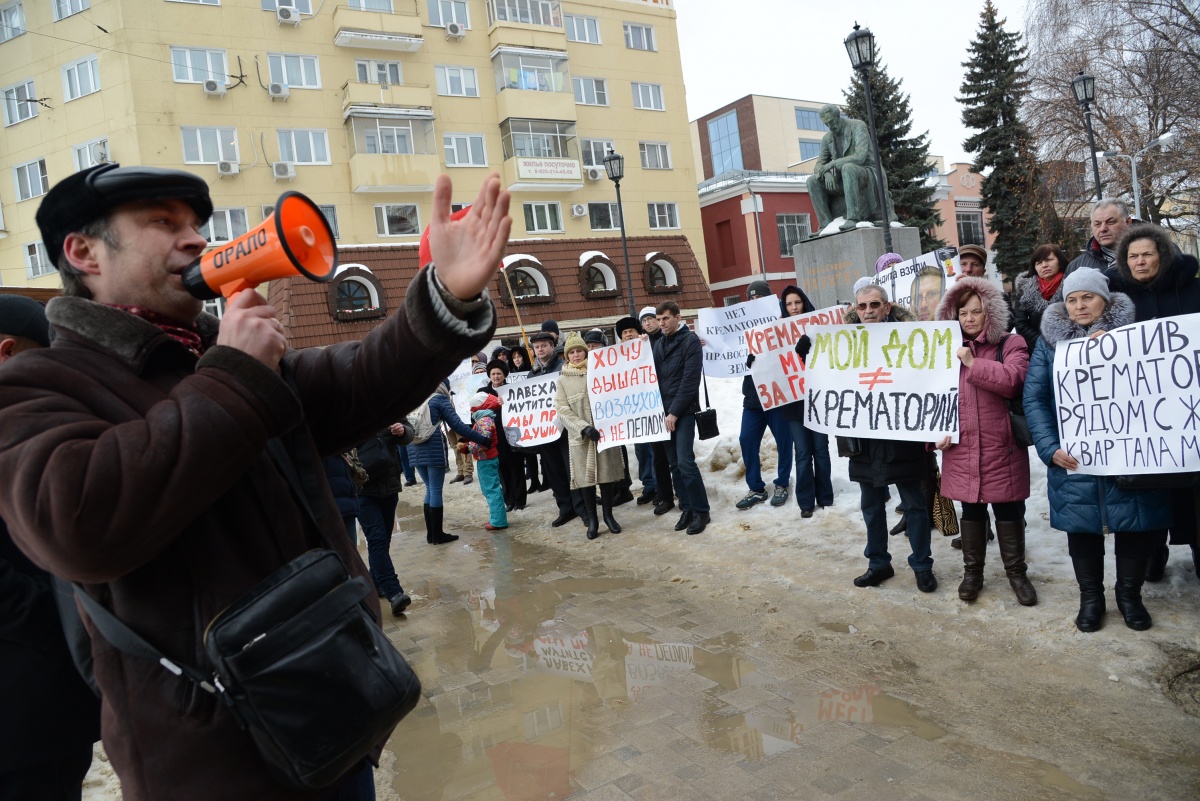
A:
(543, 336)
(758, 289)
(90, 194)
(24, 317)
(595, 337)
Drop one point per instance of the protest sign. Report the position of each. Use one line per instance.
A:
(623, 388)
(463, 386)
(778, 372)
(528, 410)
(918, 284)
(1128, 402)
(722, 327)
(884, 381)
(654, 664)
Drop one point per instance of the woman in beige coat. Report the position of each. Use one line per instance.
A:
(589, 465)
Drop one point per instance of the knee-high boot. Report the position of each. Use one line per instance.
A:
(606, 500)
(1011, 536)
(589, 510)
(429, 529)
(1131, 572)
(1089, 572)
(974, 551)
(436, 516)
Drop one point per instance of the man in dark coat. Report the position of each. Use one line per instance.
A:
(1110, 218)
(664, 493)
(555, 455)
(679, 361)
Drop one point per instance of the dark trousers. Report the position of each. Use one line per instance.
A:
(358, 786)
(1126, 544)
(531, 465)
(409, 474)
(684, 470)
(59, 779)
(662, 472)
(644, 451)
(378, 517)
(814, 478)
(556, 470)
(874, 510)
(512, 477)
(1010, 512)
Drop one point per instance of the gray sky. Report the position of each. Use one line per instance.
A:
(793, 48)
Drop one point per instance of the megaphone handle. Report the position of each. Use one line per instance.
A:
(234, 287)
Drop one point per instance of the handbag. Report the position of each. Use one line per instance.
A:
(706, 420)
(848, 446)
(1016, 409)
(944, 515)
(299, 661)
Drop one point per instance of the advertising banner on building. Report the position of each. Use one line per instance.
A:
(623, 387)
(528, 411)
(884, 381)
(722, 328)
(777, 371)
(1128, 402)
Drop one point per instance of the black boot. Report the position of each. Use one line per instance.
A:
(1131, 572)
(436, 516)
(1012, 551)
(606, 500)
(974, 550)
(1156, 567)
(565, 515)
(429, 529)
(589, 510)
(1089, 572)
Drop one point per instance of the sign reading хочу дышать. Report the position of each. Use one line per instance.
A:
(558, 169)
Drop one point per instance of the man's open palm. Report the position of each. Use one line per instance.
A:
(467, 251)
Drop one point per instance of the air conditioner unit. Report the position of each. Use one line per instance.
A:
(279, 91)
(595, 173)
(214, 87)
(455, 30)
(287, 15)
(284, 170)
(578, 210)
(228, 168)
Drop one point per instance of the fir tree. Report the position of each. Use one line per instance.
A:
(992, 93)
(905, 159)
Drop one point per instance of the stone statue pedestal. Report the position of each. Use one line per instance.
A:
(828, 266)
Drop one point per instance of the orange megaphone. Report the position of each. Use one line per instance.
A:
(295, 238)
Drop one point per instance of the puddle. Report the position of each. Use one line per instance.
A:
(807, 646)
(840, 628)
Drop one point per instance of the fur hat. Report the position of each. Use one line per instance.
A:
(624, 324)
(595, 337)
(1087, 279)
(574, 341)
(497, 363)
(758, 289)
(24, 317)
(995, 309)
(647, 311)
(887, 260)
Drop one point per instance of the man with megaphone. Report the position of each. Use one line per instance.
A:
(134, 458)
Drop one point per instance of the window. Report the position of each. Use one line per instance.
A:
(330, 213)
(594, 151)
(529, 72)
(12, 21)
(531, 12)
(459, 207)
(537, 139)
(648, 96)
(809, 120)
(655, 155)
(353, 295)
(392, 136)
(793, 229)
(197, 65)
(295, 71)
(464, 150)
(604, 216)
(303, 146)
(81, 78)
(725, 143)
(590, 91)
(663, 215)
(37, 263)
(371, 5)
(456, 81)
(20, 103)
(209, 145)
(397, 220)
(225, 224)
(662, 274)
(543, 218)
(639, 37)
(809, 149)
(582, 29)
(443, 11)
(599, 277)
(65, 8)
(31, 179)
(970, 228)
(381, 72)
(303, 6)
(524, 285)
(90, 154)
(215, 306)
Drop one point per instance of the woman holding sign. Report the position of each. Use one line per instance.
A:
(589, 465)
(1088, 507)
(987, 465)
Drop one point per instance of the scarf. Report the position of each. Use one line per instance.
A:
(1049, 287)
(184, 334)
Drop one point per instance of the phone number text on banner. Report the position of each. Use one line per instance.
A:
(528, 410)
(623, 389)
(778, 371)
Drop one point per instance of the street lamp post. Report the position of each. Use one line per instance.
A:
(1084, 87)
(614, 165)
(1133, 160)
(860, 45)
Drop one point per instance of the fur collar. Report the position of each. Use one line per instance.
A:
(995, 310)
(1029, 294)
(131, 338)
(1057, 326)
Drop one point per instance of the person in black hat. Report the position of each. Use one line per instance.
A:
(551, 326)
(555, 455)
(595, 339)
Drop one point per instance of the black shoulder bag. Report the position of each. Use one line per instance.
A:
(1016, 408)
(706, 420)
(299, 661)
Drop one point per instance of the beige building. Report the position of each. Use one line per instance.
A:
(359, 104)
(758, 133)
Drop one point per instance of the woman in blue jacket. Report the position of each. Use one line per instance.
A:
(1089, 507)
(429, 457)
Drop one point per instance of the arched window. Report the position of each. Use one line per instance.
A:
(662, 273)
(524, 285)
(597, 277)
(353, 295)
(527, 278)
(356, 294)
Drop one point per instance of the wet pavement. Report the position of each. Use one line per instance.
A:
(549, 674)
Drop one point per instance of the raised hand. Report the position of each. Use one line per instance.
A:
(468, 251)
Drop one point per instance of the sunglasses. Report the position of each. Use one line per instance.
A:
(875, 304)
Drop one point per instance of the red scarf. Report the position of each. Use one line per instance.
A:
(186, 335)
(1049, 287)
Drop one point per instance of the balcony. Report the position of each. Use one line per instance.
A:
(527, 104)
(388, 172)
(374, 94)
(377, 30)
(525, 23)
(541, 175)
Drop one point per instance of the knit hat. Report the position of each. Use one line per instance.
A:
(758, 289)
(887, 260)
(647, 312)
(24, 317)
(862, 282)
(595, 337)
(624, 324)
(552, 327)
(574, 341)
(478, 400)
(1086, 279)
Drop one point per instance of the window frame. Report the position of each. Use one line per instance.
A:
(383, 207)
(558, 144)
(28, 102)
(93, 63)
(331, 217)
(975, 217)
(84, 5)
(662, 148)
(812, 143)
(281, 59)
(372, 67)
(571, 23)
(725, 153)
(586, 150)
(816, 116)
(37, 250)
(8, 30)
(311, 132)
(530, 210)
(671, 213)
(782, 230)
(548, 12)
(221, 154)
(468, 138)
(637, 96)
(441, 21)
(299, 5)
(209, 53)
(228, 213)
(86, 147)
(599, 88)
(441, 73)
(42, 174)
(648, 36)
(614, 213)
(198, 2)
(361, 6)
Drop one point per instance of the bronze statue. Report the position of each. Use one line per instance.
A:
(844, 181)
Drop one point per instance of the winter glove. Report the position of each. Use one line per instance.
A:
(803, 346)
(462, 447)
(591, 433)
(749, 361)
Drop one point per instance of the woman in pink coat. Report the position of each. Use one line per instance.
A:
(987, 465)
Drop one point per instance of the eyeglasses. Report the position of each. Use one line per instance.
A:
(875, 304)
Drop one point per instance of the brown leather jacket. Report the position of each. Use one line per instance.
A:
(132, 467)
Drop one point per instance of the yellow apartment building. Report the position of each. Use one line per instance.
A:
(358, 104)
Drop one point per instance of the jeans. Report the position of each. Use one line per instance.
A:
(406, 465)
(755, 423)
(433, 477)
(377, 517)
(489, 485)
(351, 524)
(645, 459)
(685, 473)
(874, 510)
(356, 786)
(814, 486)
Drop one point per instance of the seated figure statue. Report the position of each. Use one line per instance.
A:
(843, 183)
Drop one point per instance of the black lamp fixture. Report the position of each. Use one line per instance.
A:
(614, 166)
(1084, 87)
(860, 46)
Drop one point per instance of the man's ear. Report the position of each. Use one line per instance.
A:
(8, 349)
(80, 251)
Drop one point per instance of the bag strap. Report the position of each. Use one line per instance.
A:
(704, 379)
(1000, 353)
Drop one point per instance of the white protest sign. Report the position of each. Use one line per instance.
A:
(528, 411)
(778, 372)
(884, 381)
(463, 385)
(922, 293)
(623, 388)
(568, 657)
(722, 329)
(1128, 402)
(654, 664)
